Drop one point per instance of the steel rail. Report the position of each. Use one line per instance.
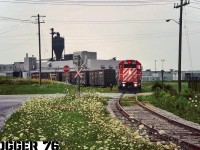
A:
(166, 137)
(172, 121)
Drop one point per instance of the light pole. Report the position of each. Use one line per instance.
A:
(179, 53)
(162, 71)
(155, 65)
(162, 62)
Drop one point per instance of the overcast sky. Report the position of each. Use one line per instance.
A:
(112, 28)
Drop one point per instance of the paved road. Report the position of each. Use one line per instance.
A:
(9, 103)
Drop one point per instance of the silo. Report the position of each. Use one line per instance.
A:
(58, 46)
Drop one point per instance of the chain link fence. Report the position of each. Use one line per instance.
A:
(194, 82)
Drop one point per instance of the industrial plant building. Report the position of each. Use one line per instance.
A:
(88, 60)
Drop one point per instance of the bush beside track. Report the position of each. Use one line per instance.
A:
(186, 105)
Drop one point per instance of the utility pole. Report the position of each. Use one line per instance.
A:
(180, 41)
(39, 40)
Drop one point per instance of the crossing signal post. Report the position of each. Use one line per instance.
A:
(78, 70)
(66, 69)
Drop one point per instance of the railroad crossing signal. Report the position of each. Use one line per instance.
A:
(78, 71)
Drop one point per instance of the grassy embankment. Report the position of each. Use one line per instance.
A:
(187, 105)
(10, 86)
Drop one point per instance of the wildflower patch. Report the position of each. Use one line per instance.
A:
(75, 122)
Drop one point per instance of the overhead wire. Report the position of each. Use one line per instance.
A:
(12, 36)
(108, 21)
(13, 19)
(45, 50)
(11, 28)
(196, 3)
(94, 3)
(138, 3)
(20, 44)
(188, 40)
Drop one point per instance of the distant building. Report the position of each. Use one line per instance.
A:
(29, 63)
(171, 75)
(88, 60)
(6, 69)
(84, 56)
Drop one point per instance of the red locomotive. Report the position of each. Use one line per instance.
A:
(129, 76)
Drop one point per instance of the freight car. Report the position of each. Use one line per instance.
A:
(102, 78)
(129, 76)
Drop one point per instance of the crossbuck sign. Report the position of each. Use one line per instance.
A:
(78, 72)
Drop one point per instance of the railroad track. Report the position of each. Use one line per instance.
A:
(160, 126)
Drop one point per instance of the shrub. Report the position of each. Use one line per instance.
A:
(167, 88)
(189, 93)
(170, 89)
(5, 80)
(22, 81)
(157, 85)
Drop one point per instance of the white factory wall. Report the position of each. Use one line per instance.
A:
(99, 64)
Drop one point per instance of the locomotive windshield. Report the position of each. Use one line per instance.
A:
(129, 65)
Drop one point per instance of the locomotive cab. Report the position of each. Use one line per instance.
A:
(129, 76)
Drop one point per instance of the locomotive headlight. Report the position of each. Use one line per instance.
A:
(123, 84)
(135, 84)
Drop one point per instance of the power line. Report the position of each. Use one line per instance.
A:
(194, 7)
(109, 21)
(44, 43)
(188, 41)
(11, 36)
(12, 28)
(14, 19)
(197, 1)
(96, 3)
(19, 44)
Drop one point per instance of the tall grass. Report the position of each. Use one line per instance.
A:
(186, 106)
(22, 81)
(10, 86)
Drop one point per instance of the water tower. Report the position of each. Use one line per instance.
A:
(58, 46)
